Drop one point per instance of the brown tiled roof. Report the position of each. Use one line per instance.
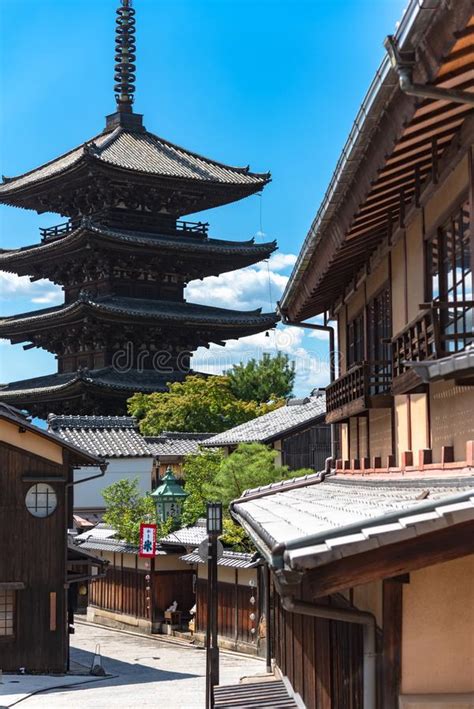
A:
(144, 153)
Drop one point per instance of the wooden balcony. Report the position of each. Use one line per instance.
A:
(364, 386)
(441, 328)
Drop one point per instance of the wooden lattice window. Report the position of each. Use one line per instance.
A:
(355, 340)
(7, 612)
(379, 332)
(449, 272)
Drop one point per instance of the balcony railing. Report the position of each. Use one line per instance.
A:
(59, 230)
(441, 328)
(358, 390)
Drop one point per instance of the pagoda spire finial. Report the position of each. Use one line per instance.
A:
(125, 56)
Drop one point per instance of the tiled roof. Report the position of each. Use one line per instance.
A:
(141, 152)
(176, 443)
(187, 536)
(188, 244)
(324, 520)
(455, 364)
(159, 310)
(233, 559)
(80, 455)
(108, 436)
(273, 425)
(106, 378)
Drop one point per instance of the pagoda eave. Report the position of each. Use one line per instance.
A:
(104, 390)
(198, 257)
(227, 323)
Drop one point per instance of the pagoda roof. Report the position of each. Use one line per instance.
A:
(136, 152)
(181, 313)
(245, 252)
(57, 392)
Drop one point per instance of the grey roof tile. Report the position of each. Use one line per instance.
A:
(233, 559)
(274, 424)
(176, 443)
(141, 152)
(108, 436)
(187, 536)
(343, 511)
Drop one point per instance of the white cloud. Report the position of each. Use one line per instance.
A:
(42, 291)
(253, 287)
(278, 262)
(312, 368)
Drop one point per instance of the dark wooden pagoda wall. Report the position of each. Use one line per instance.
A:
(33, 551)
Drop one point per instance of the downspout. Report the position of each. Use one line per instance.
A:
(332, 362)
(346, 615)
(403, 63)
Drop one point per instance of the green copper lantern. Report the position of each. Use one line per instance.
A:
(169, 497)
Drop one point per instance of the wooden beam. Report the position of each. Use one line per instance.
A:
(392, 642)
(393, 559)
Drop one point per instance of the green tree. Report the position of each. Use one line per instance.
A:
(209, 475)
(127, 508)
(271, 377)
(250, 465)
(197, 404)
(199, 471)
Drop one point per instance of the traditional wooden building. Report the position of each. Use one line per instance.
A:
(136, 592)
(39, 569)
(115, 439)
(124, 258)
(389, 256)
(171, 449)
(372, 580)
(239, 601)
(297, 431)
(373, 566)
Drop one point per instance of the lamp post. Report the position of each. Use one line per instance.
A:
(214, 529)
(169, 497)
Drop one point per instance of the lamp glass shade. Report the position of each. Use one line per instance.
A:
(214, 517)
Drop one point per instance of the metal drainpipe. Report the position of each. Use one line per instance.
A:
(345, 615)
(403, 63)
(332, 360)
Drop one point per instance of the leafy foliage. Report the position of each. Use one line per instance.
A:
(270, 377)
(198, 404)
(199, 472)
(209, 475)
(250, 465)
(127, 508)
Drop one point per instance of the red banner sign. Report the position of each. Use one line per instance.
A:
(147, 540)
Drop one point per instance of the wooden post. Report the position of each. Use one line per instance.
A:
(392, 642)
(268, 639)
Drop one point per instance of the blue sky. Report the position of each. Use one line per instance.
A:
(272, 83)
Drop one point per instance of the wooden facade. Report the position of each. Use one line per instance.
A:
(34, 575)
(321, 658)
(233, 611)
(131, 592)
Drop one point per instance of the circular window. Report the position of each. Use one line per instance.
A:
(41, 500)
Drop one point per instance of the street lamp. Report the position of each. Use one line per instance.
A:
(169, 497)
(214, 529)
(214, 518)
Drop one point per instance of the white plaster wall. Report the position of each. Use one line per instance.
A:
(89, 494)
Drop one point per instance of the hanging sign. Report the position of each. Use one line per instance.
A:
(147, 546)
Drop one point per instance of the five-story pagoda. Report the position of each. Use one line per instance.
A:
(123, 259)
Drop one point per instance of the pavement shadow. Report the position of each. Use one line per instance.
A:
(129, 672)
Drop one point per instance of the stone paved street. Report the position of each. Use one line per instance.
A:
(146, 673)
